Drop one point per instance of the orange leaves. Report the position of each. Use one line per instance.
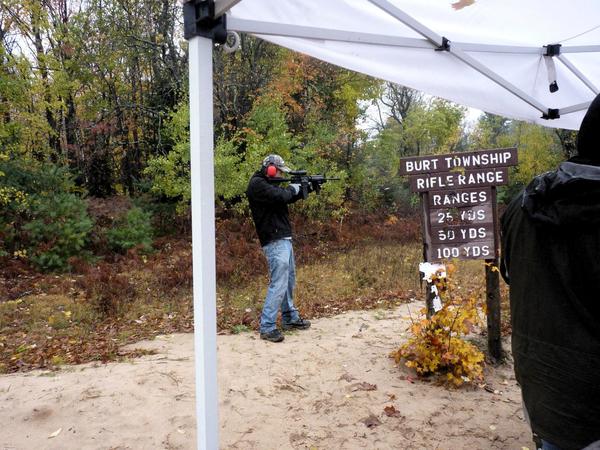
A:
(391, 220)
(421, 326)
(415, 329)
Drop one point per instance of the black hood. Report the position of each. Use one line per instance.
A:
(567, 197)
(570, 196)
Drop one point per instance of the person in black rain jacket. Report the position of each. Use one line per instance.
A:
(551, 260)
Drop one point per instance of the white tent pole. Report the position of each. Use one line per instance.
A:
(329, 34)
(222, 6)
(563, 59)
(456, 51)
(203, 241)
(575, 108)
(580, 49)
(407, 20)
(288, 30)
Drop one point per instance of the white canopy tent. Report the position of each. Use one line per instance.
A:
(505, 57)
(494, 61)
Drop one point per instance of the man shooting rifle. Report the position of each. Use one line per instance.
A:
(269, 207)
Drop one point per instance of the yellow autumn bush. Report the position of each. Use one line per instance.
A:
(437, 345)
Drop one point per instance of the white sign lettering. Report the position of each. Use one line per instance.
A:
(459, 198)
(478, 159)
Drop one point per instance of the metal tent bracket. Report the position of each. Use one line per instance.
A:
(551, 114)
(445, 47)
(552, 49)
(199, 19)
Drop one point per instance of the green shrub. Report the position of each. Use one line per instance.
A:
(58, 231)
(37, 178)
(133, 230)
(23, 183)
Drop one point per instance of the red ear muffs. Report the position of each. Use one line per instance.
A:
(271, 171)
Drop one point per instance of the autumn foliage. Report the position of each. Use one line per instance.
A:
(437, 345)
(106, 289)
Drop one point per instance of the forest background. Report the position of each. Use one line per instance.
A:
(94, 177)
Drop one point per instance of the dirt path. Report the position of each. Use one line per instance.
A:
(310, 392)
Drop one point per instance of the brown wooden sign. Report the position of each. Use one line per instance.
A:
(458, 193)
(467, 231)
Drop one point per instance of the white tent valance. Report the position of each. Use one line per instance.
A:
(494, 60)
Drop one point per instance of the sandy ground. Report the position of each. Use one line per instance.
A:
(309, 392)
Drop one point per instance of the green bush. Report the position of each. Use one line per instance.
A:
(33, 177)
(24, 183)
(133, 230)
(58, 230)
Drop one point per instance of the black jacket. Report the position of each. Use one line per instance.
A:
(551, 256)
(268, 204)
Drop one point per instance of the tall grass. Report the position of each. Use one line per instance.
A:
(363, 271)
(368, 276)
(364, 277)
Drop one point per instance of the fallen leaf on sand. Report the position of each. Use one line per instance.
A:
(390, 411)
(347, 377)
(364, 386)
(371, 421)
(56, 433)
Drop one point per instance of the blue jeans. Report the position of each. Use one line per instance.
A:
(280, 294)
(549, 446)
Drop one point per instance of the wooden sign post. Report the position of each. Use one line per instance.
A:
(460, 218)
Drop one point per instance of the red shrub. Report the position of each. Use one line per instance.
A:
(106, 289)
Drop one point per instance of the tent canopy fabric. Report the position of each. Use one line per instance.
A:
(491, 55)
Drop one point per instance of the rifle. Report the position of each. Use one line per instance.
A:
(308, 183)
